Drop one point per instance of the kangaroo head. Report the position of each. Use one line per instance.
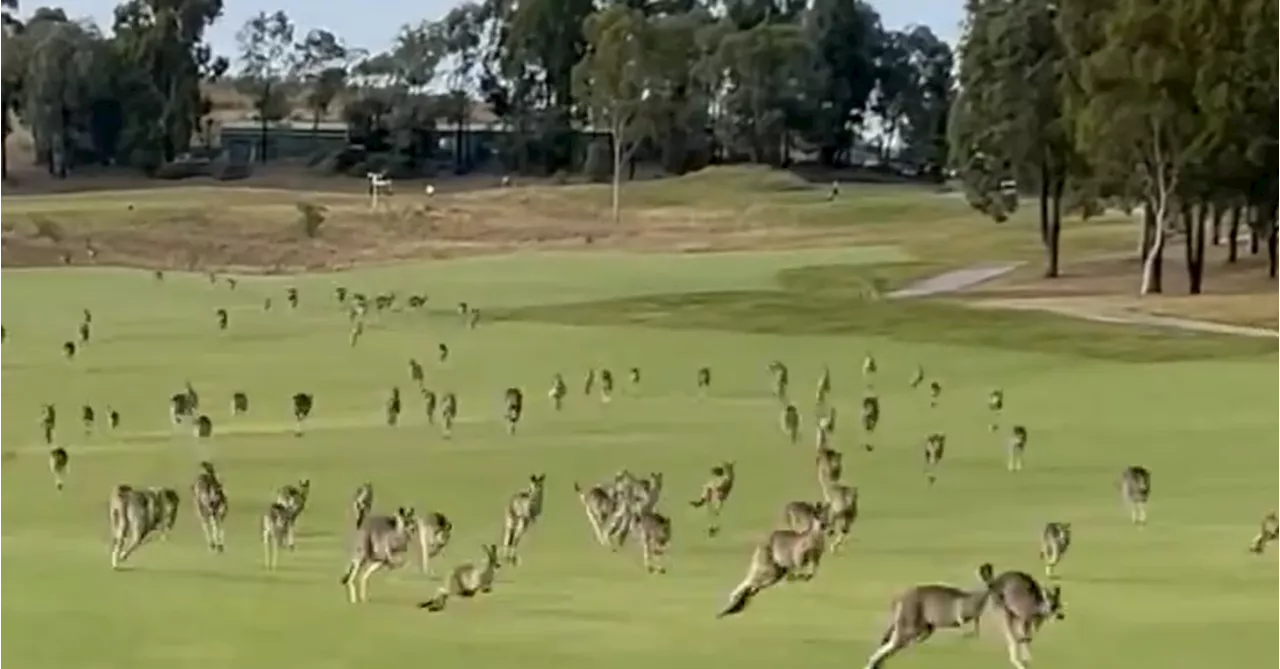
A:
(536, 481)
(304, 485)
(986, 572)
(207, 467)
(1053, 603)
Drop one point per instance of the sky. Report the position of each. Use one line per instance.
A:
(374, 30)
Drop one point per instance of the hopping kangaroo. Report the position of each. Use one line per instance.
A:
(211, 505)
(466, 580)
(654, 530)
(380, 542)
(362, 503)
(1024, 606)
(785, 554)
(1135, 486)
(434, 531)
(841, 500)
(923, 609)
(281, 518)
(135, 515)
(1054, 542)
(58, 461)
(715, 492)
(522, 511)
(1268, 532)
(599, 505)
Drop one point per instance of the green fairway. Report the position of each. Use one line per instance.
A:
(1196, 410)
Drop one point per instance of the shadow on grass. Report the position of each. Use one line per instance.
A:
(848, 299)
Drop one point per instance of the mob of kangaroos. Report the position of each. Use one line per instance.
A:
(618, 509)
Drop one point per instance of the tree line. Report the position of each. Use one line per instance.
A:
(739, 79)
(1169, 106)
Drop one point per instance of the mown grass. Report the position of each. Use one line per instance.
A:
(849, 300)
(1181, 592)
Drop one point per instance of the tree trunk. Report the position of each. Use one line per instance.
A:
(617, 175)
(1053, 236)
(1044, 203)
(1193, 225)
(1218, 212)
(1233, 231)
(4, 158)
(262, 115)
(1253, 232)
(1271, 251)
(1153, 258)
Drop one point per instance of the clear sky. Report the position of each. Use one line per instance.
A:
(360, 24)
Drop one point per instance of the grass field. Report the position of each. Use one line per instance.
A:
(1181, 592)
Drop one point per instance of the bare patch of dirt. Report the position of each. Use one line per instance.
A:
(256, 230)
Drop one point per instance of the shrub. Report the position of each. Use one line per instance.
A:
(310, 217)
(47, 229)
(183, 169)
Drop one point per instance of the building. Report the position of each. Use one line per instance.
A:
(241, 141)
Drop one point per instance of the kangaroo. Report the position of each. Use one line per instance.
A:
(448, 413)
(179, 408)
(362, 503)
(704, 379)
(1268, 532)
(589, 381)
(935, 392)
(917, 377)
(559, 389)
(869, 367)
(824, 387)
(522, 512)
(211, 505)
(841, 500)
(995, 402)
(781, 380)
(277, 531)
(606, 386)
(791, 422)
(513, 400)
(1025, 607)
(934, 447)
(416, 373)
(785, 554)
(434, 532)
(48, 422)
(870, 419)
(1054, 542)
(293, 498)
(715, 492)
(132, 520)
(802, 517)
(921, 610)
(1017, 446)
(380, 542)
(203, 427)
(633, 499)
(826, 428)
(830, 464)
(429, 402)
(87, 418)
(239, 403)
(392, 408)
(221, 315)
(164, 510)
(599, 505)
(58, 461)
(1135, 486)
(654, 530)
(466, 580)
(302, 405)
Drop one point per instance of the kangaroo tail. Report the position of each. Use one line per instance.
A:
(699, 503)
(435, 604)
(738, 601)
